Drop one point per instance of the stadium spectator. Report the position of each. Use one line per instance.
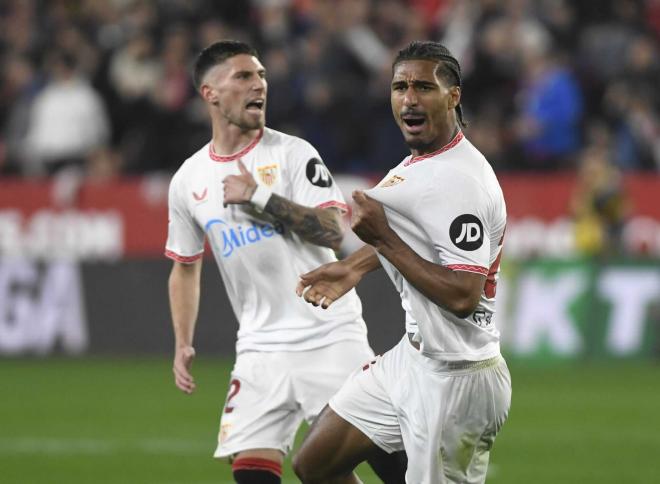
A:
(290, 356)
(598, 204)
(327, 55)
(134, 69)
(67, 120)
(630, 102)
(550, 113)
(19, 89)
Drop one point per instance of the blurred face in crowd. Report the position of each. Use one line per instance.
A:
(423, 105)
(236, 90)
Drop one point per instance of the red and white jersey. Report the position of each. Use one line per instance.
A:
(260, 260)
(449, 208)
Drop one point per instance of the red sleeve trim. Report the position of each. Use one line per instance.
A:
(341, 206)
(182, 258)
(468, 268)
(256, 463)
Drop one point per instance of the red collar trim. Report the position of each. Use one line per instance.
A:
(457, 139)
(239, 154)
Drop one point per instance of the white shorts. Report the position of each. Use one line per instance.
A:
(270, 393)
(444, 414)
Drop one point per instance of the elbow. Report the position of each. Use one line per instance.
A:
(332, 229)
(335, 238)
(336, 244)
(462, 307)
(333, 243)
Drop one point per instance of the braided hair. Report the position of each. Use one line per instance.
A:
(448, 68)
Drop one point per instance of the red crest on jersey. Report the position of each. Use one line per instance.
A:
(268, 174)
(394, 180)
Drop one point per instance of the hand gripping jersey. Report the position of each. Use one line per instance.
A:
(449, 208)
(260, 259)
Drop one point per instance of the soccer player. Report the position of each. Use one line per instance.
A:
(435, 224)
(270, 210)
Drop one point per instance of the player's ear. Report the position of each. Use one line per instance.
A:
(454, 97)
(208, 94)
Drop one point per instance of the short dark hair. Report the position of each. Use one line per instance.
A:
(448, 67)
(217, 53)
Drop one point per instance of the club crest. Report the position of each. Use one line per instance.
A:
(394, 180)
(268, 174)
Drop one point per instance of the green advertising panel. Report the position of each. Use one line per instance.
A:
(580, 309)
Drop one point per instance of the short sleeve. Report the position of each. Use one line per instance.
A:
(185, 239)
(312, 184)
(455, 215)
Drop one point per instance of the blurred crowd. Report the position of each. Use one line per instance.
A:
(104, 85)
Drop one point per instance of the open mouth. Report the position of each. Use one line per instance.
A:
(255, 105)
(414, 123)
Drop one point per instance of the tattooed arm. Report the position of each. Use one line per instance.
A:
(320, 226)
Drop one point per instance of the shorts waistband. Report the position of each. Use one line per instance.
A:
(444, 365)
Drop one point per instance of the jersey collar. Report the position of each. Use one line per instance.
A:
(457, 139)
(238, 154)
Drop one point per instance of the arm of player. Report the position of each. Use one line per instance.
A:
(331, 281)
(184, 283)
(320, 226)
(456, 291)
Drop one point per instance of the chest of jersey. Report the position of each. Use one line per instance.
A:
(401, 192)
(233, 229)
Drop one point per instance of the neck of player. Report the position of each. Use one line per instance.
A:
(445, 135)
(230, 139)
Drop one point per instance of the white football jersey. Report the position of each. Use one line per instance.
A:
(449, 208)
(260, 260)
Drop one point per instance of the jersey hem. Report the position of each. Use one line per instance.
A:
(436, 359)
(275, 347)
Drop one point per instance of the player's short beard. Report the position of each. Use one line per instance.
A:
(250, 125)
(417, 144)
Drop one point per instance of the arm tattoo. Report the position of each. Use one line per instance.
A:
(318, 226)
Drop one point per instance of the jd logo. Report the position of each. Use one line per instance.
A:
(466, 232)
(318, 174)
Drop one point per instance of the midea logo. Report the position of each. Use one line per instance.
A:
(236, 237)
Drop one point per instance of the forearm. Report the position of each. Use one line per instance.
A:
(184, 289)
(316, 225)
(363, 260)
(457, 292)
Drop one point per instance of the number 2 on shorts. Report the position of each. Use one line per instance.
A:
(234, 388)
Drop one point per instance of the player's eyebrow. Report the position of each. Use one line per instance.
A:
(415, 83)
(423, 83)
(246, 73)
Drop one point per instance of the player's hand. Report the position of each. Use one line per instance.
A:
(325, 285)
(368, 220)
(239, 188)
(183, 358)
